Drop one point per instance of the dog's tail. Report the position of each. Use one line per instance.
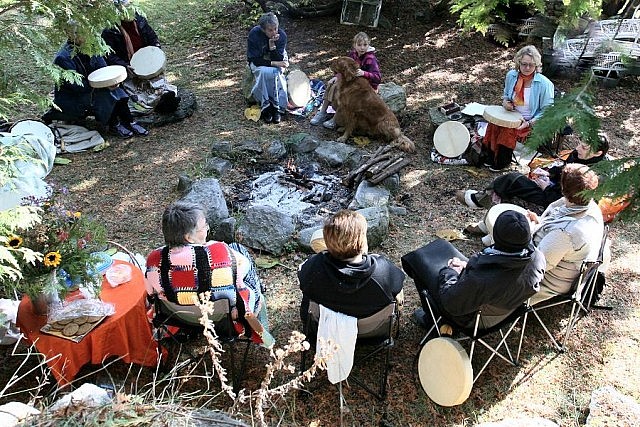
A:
(404, 143)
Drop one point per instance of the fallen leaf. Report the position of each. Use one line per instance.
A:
(361, 141)
(450, 234)
(266, 262)
(252, 113)
(61, 161)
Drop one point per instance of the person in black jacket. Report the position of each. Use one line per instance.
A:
(345, 278)
(538, 190)
(495, 281)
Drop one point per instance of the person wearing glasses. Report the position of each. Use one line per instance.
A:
(189, 265)
(527, 91)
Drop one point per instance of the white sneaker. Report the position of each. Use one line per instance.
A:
(330, 124)
(319, 118)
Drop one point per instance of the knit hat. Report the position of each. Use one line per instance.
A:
(511, 232)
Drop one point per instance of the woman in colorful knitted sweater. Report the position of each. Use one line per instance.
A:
(189, 265)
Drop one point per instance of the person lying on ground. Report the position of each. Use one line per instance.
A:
(189, 265)
(364, 55)
(541, 187)
(344, 277)
(496, 280)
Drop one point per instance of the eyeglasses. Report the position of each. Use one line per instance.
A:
(205, 228)
(527, 64)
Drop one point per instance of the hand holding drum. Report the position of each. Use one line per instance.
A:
(500, 116)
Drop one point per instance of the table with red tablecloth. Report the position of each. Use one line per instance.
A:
(126, 333)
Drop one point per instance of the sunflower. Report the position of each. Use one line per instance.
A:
(52, 259)
(14, 241)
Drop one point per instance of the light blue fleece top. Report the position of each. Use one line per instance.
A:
(541, 94)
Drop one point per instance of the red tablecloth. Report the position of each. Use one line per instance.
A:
(126, 333)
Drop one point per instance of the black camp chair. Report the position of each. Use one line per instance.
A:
(187, 318)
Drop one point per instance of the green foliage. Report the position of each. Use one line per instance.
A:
(574, 108)
(620, 178)
(576, 9)
(477, 14)
(32, 31)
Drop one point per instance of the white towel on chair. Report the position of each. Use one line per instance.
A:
(343, 330)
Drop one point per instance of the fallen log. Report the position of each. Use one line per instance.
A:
(379, 156)
(393, 168)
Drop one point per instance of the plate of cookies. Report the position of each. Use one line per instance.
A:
(72, 328)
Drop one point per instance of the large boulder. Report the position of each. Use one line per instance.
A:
(377, 224)
(369, 195)
(394, 96)
(267, 228)
(335, 154)
(208, 193)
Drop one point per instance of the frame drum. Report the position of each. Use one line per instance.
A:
(496, 210)
(445, 371)
(107, 76)
(298, 88)
(33, 127)
(451, 139)
(497, 115)
(148, 62)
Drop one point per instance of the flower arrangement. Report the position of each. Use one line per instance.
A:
(54, 243)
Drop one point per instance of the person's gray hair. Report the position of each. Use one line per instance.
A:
(178, 220)
(268, 20)
(532, 51)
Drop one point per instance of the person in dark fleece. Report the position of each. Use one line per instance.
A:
(344, 277)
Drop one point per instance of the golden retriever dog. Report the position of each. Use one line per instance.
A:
(361, 109)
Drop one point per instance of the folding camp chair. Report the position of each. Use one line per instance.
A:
(187, 318)
(581, 298)
(376, 337)
(477, 334)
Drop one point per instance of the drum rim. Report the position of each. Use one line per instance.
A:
(302, 74)
(502, 109)
(122, 76)
(460, 150)
(491, 218)
(149, 49)
(466, 370)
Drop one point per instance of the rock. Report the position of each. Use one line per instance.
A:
(520, 422)
(207, 193)
(397, 210)
(609, 407)
(226, 231)
(275, 150)
(335, 154)
(368, 195)
(184, 183)
(221, 148)
(188, 105)
(217, 165)
(303, 143)
(248, 147)
(377, 224)
(394, 96)
(392, 183)
(437, 118)
(304, 238)
(248, 80)
(13, 413)
(267, 228)
(87, 395)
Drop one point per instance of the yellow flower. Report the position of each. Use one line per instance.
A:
(52, 259)
(77, 214)
(14, 241)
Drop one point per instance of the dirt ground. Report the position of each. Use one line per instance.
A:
(128, 185)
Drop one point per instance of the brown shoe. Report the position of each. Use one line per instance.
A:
(476, 229)
(464, 197)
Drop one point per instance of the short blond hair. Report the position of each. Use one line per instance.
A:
(345, 234)
(361, 37)
(532, 51)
